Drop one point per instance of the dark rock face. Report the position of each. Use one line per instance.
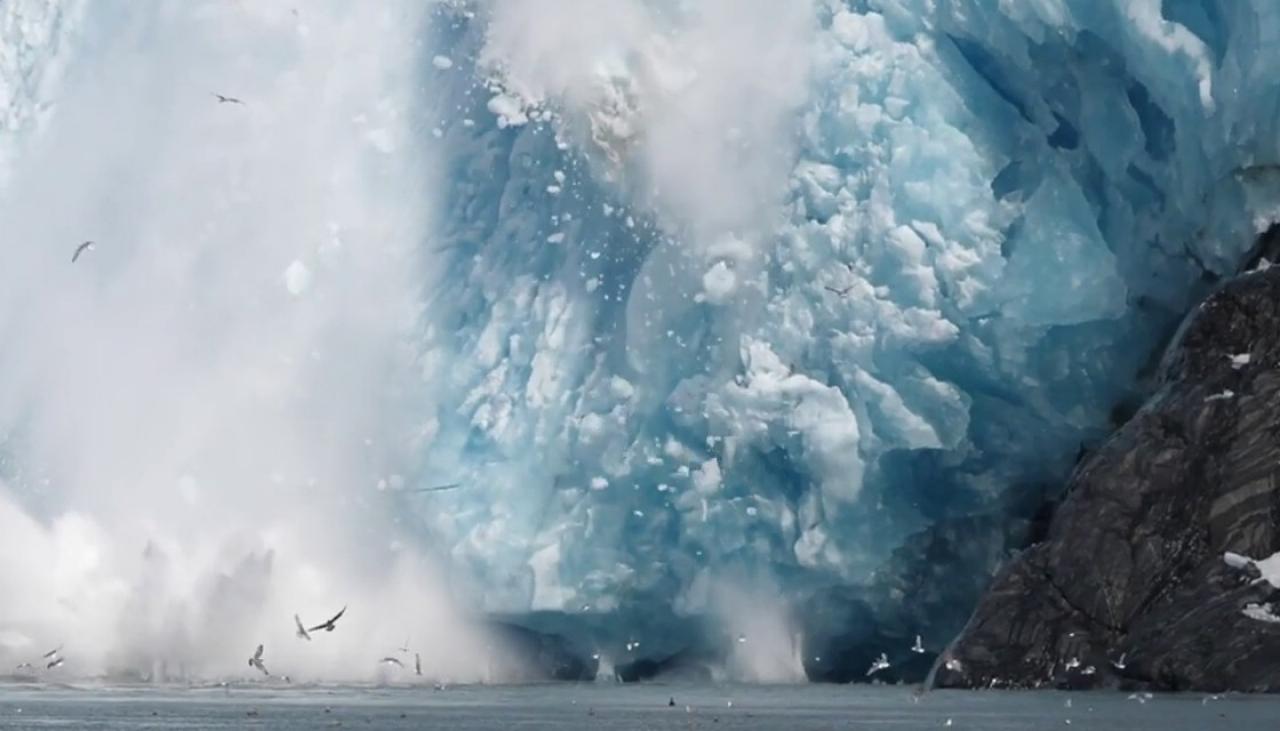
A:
(1129, 587)
(921, 590)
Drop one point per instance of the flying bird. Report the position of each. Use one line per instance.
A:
(391, 661)
(417, 664)
(24, 666)
(52, 652)
(227, 99)
(881, 663)
(436, 488)
(918, 647)
(55, 662)
(256, 661)
(86, 246)
(330, 625)
(404, 648)
(841, 292)
(302, 631)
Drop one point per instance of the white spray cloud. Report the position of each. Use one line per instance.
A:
(197, 411)
(692, 102)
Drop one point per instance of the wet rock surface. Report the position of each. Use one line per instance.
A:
(1129, 588)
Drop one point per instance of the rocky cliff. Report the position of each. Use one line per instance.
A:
(1130, 586)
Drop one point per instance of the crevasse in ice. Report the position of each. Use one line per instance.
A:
(973, 226)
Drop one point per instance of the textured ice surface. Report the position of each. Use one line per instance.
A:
(987, 217)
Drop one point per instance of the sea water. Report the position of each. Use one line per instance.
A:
(647, 706)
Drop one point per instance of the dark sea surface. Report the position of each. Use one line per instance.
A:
(570, 707)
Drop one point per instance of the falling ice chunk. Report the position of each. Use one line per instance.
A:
(297, 278)
(442, 62)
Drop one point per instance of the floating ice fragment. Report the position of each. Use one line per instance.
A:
(442, 62)
(555, 238)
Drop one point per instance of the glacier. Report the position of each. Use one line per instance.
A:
(734, 321)
(766, 309)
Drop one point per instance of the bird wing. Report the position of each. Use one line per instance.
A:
(393, 661)
(417, 663)
(52, 652)
(328, 623)
(437, 488)
(302, 631)
(257, 654)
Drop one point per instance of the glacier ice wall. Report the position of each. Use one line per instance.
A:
(711, 308)
(762, 289)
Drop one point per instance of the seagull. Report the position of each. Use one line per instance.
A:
(55, 662)
(302, 633)
(881, 663)
(405, 647)
(417, 664)
(52, 652)
(841, 292)
(86, 246)
(1120, 664)
(330, 625)
(24, 666)
(226, 99)
(918, 647)
(256, 661)
(391, 661)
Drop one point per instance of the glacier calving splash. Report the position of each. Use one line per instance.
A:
(732, 320)
(719, 310)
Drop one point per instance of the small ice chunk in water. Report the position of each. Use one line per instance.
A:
(442, 62)
(1239, 360)
(297, 278)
